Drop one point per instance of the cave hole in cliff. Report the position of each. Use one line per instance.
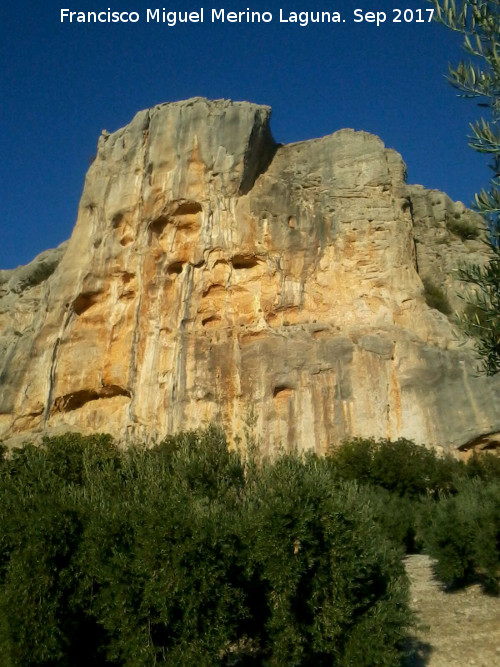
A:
(208, 321)
(213, 289)
(116, 220)
(78, 399)
(188, 208)
(126, 239)
(127, 277)
(493, 446)
(157, 226)
(84, 301)
(489, 442)
(282, 391)
(75, 400)
(181, 214)
(244, 261)
(175, 268)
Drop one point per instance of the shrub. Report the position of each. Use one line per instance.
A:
(402, 480)
(399, 518)
(161, 553)
(201, 462)
(328, 578)
(464, 229)
(184, 554)
(401, 467)
(464, 535)
(435, 297)
(353, 460)
(73, 457)
(483, 466)
(41, 525)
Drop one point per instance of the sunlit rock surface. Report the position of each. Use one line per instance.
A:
(213, 273)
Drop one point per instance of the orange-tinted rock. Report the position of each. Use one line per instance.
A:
(212, 273)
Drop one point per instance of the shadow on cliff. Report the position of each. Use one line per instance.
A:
(260, 153)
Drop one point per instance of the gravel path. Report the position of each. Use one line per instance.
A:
(458, 629)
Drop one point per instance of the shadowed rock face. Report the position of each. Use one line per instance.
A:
(212, 272)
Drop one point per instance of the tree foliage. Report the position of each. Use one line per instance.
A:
(479, 78)
(426, 502)
(463, 535)
(188, 554)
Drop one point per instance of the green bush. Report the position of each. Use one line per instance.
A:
(73, 457)
(399, 518)
(328, 578)
(435, 297)
(401, 467)
(402, 480)
(464, 535)
(161, 553)
(41, 523)
(483, 466)
(185, 554)
(464, 229)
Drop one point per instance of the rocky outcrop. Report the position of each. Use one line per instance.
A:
(448, 236)
(213, 274)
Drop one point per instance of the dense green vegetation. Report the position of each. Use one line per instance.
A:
(440, 505)
(187, 553)
(478, 21)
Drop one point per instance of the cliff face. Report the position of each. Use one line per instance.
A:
(212, 273)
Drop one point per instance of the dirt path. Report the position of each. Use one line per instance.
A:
(460, 628)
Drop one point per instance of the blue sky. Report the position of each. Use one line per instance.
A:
(62, 83)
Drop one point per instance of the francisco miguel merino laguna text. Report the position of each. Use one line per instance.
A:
(172, 18)
(302, 18)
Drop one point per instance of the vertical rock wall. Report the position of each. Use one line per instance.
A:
(212, 273)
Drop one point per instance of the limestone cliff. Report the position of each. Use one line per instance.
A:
(212, 272)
